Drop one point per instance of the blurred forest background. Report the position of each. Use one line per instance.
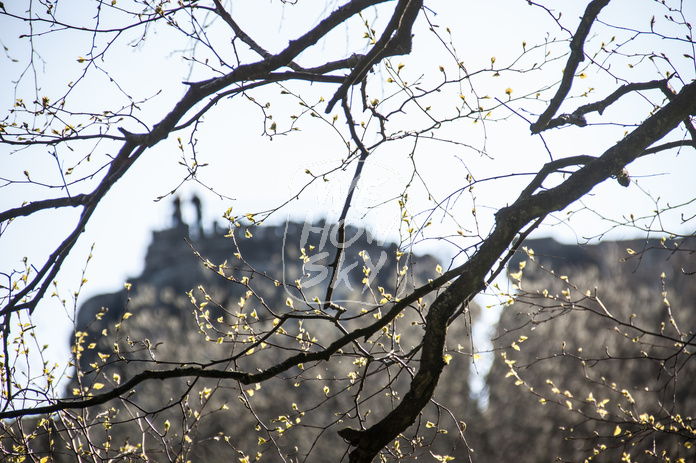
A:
(590, 359)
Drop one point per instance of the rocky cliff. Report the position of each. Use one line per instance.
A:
(597, 333)
(201, 300)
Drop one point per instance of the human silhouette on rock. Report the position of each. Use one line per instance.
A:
(199, 213)
(178, 221)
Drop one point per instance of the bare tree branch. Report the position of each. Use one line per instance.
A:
(577, 55)
(509, 221)
(577, 116)
(395, 40)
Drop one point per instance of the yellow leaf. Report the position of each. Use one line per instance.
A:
(617, 431)
(98, 386)
(443, 457)
(508, 91)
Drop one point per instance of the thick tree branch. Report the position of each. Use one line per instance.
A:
(509, 221)
(395, 40)
(550, 167)
(272, 77)
(71, 201)
(578, 116)
(125, 388)
(577, 55)
(244, 37)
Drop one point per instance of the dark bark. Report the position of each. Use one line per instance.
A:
(509, 222)
(577, 56)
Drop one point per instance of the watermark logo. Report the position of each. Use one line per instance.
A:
(351, 257)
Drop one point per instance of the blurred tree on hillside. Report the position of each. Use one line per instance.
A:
(596, 352)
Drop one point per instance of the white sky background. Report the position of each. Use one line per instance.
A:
(260, 174)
